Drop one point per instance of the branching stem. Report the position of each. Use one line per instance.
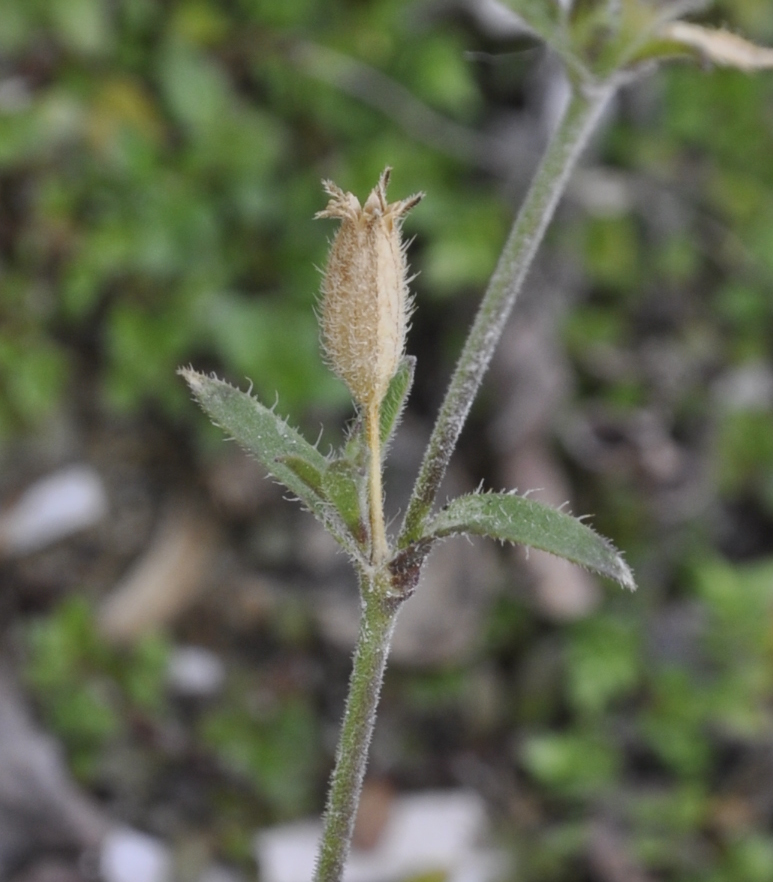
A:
(379, 599)
(568, 141)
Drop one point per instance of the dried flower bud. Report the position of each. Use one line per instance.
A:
(365, 300)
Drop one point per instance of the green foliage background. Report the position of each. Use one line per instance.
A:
(161, 165)
(159, 170)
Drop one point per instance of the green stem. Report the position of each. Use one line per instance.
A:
(568, 141)
(376, 625)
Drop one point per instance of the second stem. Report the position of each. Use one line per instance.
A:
(579, 121)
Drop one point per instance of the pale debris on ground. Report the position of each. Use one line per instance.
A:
(435, 831)
(130, 856)
(52, 508)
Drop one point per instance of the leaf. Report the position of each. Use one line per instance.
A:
(719, 46)
(355, 450)
(278, 447)
(641, 28)
(342, 484)
(541, 16)
(306, 471)
(396, 396)
(527, 522)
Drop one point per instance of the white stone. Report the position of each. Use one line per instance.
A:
(130, 856)
(431, 831)
(195, 671)
(52, 508)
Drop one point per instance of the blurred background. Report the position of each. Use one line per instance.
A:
(177, 637)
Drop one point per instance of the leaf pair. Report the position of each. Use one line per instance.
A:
(334, 489)
(599, 38)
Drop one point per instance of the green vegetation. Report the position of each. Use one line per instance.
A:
(159, 170)
(162, 167)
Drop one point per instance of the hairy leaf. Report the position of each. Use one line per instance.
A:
(306, 471)
(343, 485)
(356, 450)
(527, 522)
(278, 447)
(396, 396)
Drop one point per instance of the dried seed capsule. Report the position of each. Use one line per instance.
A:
(365, 300)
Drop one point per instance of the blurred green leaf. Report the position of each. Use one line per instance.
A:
(145, 678)
(573, 765)
(196, 88)
(86, 688)
(275, 751)
(252, 337)
(83, 25)
(612, 252)
(675, 724)
(464, 246)
(749, 859)
(602, 663)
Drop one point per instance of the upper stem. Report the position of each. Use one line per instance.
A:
(581, 116)
(378, 543)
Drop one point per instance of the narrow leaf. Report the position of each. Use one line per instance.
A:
(279, 448)
(527, 522)
(538, 15)
(306, 471)
(396, 396)
(356, 449)
(342, 485)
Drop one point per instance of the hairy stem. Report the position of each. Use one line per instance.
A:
(568, 141)
(378, 544)
(378, 617)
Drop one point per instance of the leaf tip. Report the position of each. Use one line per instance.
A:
(625, 574)
(192, 378)
(719, 46)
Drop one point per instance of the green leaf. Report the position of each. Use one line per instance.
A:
(83, 25)
(513, 518)
(355, 450)
(343, 485)
(196, 89)
(541, 16)
(396, 395)
(571, 764)
(306, 471)
(277, 446)
(661, 49)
